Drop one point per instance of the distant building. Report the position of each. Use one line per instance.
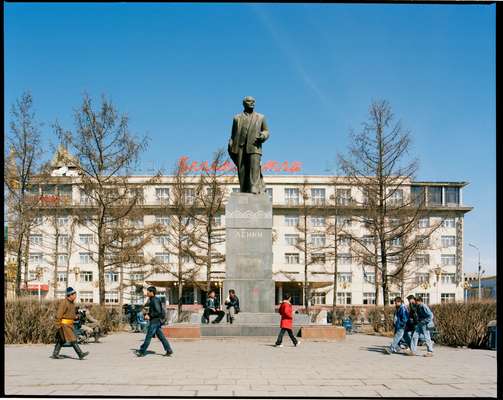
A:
(487, 284)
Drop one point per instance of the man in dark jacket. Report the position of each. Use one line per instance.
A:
(412, 321)
(424, 321)
(212, 307)
(232, 305)
(155, 316)
(401, 317)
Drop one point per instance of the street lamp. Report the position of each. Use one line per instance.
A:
(438, 272)
(480, 272)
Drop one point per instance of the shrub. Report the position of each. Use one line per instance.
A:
(30, 321)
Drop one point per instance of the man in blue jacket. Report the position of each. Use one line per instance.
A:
(424, 321)
(401, 317)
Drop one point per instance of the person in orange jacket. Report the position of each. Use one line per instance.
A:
(286, 324)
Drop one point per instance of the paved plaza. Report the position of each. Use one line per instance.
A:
(249, 366)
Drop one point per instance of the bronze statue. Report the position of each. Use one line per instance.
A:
(249, 131)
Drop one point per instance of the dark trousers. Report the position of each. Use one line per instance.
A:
(282, 332)
(249, 172)
(208, 312)
(154, 329)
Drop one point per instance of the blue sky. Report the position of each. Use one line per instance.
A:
(180, 71)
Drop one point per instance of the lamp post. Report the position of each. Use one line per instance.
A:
(438, 272)
(479, 273)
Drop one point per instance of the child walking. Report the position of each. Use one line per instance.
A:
(285, 309)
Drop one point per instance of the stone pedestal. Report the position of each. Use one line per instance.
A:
(248, 249)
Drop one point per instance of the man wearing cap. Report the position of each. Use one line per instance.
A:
(64, 319)
(155, 316)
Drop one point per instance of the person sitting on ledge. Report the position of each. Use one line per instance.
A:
(232, 304)
(212, 308)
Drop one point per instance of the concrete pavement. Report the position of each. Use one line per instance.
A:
(249, 366)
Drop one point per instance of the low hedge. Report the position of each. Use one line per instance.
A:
(30, 321)
(457, 324)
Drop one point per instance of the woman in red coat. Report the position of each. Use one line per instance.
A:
(285, 309)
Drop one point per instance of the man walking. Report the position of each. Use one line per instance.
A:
(286, 324)
(212, 308)
(155, 316)
(424, 321)
(65, 316)
(412, 321)
(400, 318)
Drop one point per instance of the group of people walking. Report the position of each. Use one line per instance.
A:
(410, 323)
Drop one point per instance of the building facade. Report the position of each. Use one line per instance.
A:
(436, 273)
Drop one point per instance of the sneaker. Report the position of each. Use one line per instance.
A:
(428, 354)
(83, 355)
(410, 353)
(56, 357)
(168, 354)
(387, 351)
(139, 353)
(278, 345)
(296, 344)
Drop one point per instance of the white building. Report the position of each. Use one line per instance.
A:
(438, 274)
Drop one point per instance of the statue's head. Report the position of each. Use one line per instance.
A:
(249, 103)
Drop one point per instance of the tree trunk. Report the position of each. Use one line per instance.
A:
(19, 262)
(56, 249)
(208, 265)
(26, 259)
(121, 285)
(334, 304)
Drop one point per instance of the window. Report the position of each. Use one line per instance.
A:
(37, 221)
(424, 296)
(268, 192)
(396, 197)
(62, 260)
(346, 277)
(448, 278)
(422, 260)
(344, 259)
(86, 239)
(452, 196)
(36, 240)
(394, 221)
(136, 276)
(449, 222)
(291, 220)
(112, 277)
(344, 240)
(425, 240)
(343, 196)
(369, 298)
(162, 193)
(86, 276)
(112, 297)
(292, 196)
(448, 259)
(292, 258)
(318, 258)
(62, 221)
(422, 278)
(434, 195)
(61, 294)
(162, 257)
(396, 241)
(343, 221)
(448, 241)
(217, 220)
(189, 195)
(368, 241)
(318, 196)
(35, 258)
(318, 240)
(392, 297)
(319, 298)
(423, 222)
(63, 241)
(85, 297)
(343, 297)
(62, 277)
(85, 258)
(33, 275)
(162, 220)
(369, 277)
(447, 297)
(162, 239)
(317, 221)
(235, 190)
(136, 222)
(291, 240)
(85, 199)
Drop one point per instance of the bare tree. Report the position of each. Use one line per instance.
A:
(377, 165)
(208, 197)
(22, 166)
(106, 151)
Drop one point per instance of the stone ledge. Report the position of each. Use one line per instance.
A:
(323, 332)
(182, 331)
